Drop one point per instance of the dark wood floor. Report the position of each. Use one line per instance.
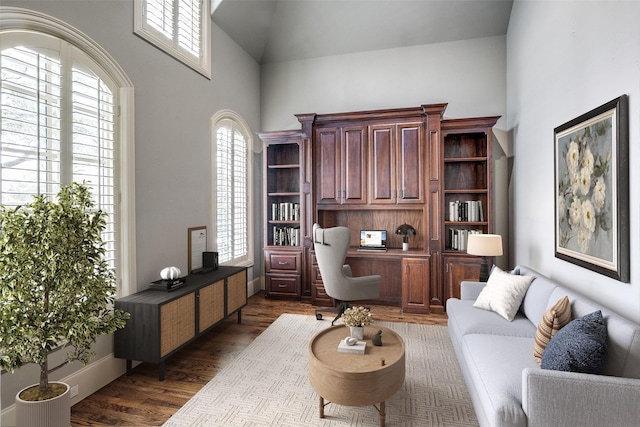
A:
(142, 400)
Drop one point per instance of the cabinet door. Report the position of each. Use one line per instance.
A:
(236, 291)
(382, 163)
(328, 150)
(415, 285)
(411, 161)
(210, 305)
(354, 166)
(177, 323)
(457, 270)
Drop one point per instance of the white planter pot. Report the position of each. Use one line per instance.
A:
(356, 332)
(54, 412)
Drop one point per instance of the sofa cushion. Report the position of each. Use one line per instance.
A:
(581, 346)
(465, 319)
(537, 299)
(495, 365)
(504, 293)
(552, 321)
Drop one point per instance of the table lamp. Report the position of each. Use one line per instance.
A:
(405, 230)
(484, 245)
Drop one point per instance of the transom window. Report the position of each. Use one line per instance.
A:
(179, 27)
(232, 187)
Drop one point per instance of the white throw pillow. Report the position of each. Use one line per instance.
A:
(504, 293)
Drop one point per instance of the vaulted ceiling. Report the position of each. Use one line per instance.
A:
(285, 30)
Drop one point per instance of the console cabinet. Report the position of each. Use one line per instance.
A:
(161, 322)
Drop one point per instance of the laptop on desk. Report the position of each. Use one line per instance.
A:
(373, 241)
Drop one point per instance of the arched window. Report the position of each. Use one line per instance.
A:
(65, 106)
(233, 195)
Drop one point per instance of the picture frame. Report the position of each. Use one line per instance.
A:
(197, 246)
(591, 187)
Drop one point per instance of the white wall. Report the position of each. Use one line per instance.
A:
(469, 75)
(173, 105)
(563, 60)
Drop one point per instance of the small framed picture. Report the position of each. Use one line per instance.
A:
(197, 246)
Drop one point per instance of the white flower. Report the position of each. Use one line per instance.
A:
(561, 207)
(575, 182)
(588, 216)
(573, 156)
(587, 159)
(599, 194)
(585, 181)
(575, 212)
(584, 239)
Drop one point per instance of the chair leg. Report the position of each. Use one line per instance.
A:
(339, 309)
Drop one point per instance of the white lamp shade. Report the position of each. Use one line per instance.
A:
(484, 244)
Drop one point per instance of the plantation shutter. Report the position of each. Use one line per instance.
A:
(189, 26)
(231, 193)
(57, 126)
(178, 21)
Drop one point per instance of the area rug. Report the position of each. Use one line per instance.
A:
(268, 384)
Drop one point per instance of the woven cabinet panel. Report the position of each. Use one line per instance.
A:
(211, 305)
(177, 323)
(236, 291)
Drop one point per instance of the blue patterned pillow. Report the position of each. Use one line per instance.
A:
(581, 346)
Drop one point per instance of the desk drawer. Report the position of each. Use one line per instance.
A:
(283, 285)
(288, 262)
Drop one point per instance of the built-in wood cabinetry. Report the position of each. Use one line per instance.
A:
(397, 160)
(467, 196)
(377, 170)
(285, 206)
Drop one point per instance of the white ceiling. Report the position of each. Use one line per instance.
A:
(285, 30)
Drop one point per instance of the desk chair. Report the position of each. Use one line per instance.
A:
(331, 245)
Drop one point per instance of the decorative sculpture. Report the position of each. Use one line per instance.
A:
(377, 338)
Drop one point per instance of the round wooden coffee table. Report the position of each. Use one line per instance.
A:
(356, 379)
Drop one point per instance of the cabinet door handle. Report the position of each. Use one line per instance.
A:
(283, 262)
(282, 286)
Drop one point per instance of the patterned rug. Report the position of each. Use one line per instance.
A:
(268, 385)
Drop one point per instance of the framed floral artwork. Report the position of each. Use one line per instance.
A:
(592, 190)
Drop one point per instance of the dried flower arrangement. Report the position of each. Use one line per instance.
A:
(357, 316)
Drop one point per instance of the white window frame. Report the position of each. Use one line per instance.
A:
(241, 125)
(201, 63)
(16, 20)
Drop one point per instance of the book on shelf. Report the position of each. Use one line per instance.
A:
(458, 238)
(466, 211)
(285, 211)
(286, 236)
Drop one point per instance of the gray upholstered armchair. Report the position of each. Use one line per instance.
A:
(331, 245)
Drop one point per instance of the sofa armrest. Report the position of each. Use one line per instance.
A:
(555, 398)
(471, 290)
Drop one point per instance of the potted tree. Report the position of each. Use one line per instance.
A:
(56, 289)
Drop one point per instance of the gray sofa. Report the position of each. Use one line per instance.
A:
(508, 387)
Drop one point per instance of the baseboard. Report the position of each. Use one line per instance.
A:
(255, 286)
(89, 379)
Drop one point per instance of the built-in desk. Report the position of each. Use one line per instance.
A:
(405, 277)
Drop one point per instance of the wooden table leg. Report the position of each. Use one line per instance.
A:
(382, 414)
(321, 407)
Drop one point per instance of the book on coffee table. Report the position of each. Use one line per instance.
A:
(357, 348)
